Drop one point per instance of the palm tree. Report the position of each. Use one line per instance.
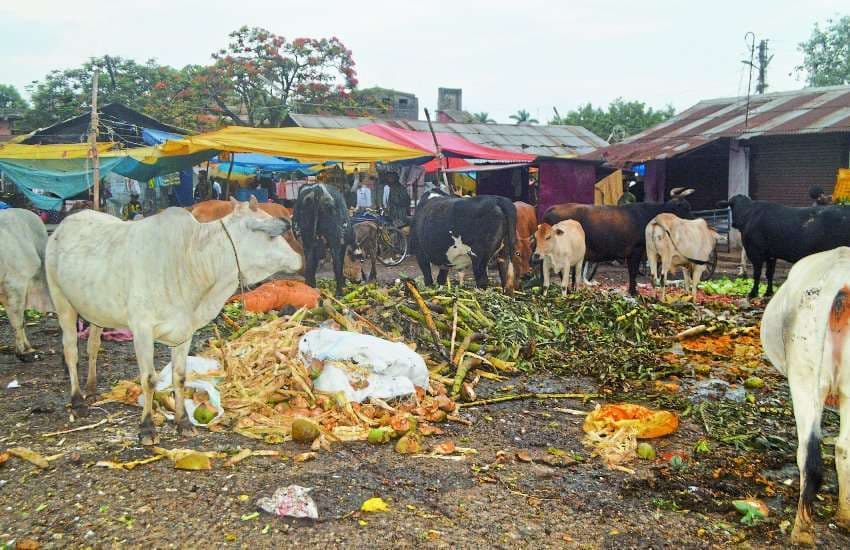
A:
(483, 118)
(523, 117)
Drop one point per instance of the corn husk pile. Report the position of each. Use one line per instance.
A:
(267, 394)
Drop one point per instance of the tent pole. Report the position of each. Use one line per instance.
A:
(95, 159)
(440, 173)
(229, 171)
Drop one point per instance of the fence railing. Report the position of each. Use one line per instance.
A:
(721, 221)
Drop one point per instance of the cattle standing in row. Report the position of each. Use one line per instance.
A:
(485, 224)
(526, 225)
(805, 332)
(163, 278)
(773, 231)
(22, 282)
(562, 249)
(675, 243)
(618, 232)
(322, 221)
(365, 246)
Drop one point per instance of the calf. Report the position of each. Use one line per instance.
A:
(321, 220)
(485, 224)
(618, 232)
(22, 282)
(365, 246)
(773, 231)
(804, 333)
(526, 225)
(678, 243)
(562, 249)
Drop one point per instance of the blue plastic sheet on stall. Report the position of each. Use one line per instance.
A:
(156, 137)
(184, 192)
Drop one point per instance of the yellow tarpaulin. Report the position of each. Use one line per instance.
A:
(609, 189)
(842, 184)
(302, 144)
(50, 152)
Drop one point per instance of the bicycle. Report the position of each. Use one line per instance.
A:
(392, 242)
(591, 267)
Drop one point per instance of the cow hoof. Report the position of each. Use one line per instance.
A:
(79, 407)
(91, 392)
(185, 428)
(28, 356)
(802, 537)
(148, 437)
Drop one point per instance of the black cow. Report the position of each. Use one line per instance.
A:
(321, 220)
(773, 231)
(485, 224)
(618, 232)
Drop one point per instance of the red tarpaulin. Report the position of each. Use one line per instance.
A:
(451, 145)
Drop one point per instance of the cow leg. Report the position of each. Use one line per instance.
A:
(479, 269)
(67, 317)
(547, 272)
(771, 267)
(443, 276)
(633, 262)
(92, 349)
(425, 267)
(143, 343)
(577, 275)
(757, 263)
(179, 354)
(311, 263)
(338, 254)
(696, 278)
(14, 305)
(686, 278)
(842, 456)
(807, 401)
(373, 255)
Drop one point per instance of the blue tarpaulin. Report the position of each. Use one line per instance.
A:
(156, 137)
(266, 162)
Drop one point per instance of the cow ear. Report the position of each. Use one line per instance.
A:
(253, 204)
(234, 203)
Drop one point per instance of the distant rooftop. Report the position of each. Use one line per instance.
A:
(541, 140)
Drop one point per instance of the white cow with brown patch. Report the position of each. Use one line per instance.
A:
(163, 277)
(804, 333)
(562, 249)
(22, 282)
(678, 243)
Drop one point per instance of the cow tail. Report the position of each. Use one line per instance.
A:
(509, 239)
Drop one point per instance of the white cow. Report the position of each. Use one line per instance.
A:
(562, 248)
(22, 283)
(804, 333)
(163, 277)
(678, 243)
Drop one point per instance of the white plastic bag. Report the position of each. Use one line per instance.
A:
(391, 368)
(196, 365)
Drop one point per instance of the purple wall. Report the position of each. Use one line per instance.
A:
(565, 181)
(655, 182)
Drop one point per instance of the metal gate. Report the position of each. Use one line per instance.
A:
(721, 221)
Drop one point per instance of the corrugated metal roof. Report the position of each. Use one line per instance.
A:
(807, 111)
(538, 140)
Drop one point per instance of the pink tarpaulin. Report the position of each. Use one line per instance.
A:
(452, 145)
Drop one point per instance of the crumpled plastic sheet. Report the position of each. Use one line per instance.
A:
(293, 501)
(197, 365)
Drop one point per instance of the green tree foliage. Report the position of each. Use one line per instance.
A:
(11, 100)
(483, 118)
(523, 117)
(826, 54)
(620, 119)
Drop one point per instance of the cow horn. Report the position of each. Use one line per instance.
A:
(675, 191)
(252, 203)
(686, 193)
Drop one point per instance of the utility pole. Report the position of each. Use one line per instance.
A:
(95, 159)
(763, 62)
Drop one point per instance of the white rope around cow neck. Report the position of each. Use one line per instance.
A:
(238, 269)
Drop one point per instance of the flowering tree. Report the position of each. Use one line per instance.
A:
(261, 76)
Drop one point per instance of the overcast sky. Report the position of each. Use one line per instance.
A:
(506, 55)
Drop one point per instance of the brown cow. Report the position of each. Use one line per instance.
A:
(365, 246)
(526, 225)
(211, 210)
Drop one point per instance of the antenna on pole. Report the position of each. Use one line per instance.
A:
(750, 78)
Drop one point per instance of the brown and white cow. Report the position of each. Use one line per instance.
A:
(804, 333)
(526, 225)
(678, 243)
(561, 247)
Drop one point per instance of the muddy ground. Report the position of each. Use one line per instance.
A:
(483, 501)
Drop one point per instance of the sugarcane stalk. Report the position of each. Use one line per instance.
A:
(426, 313)
(372, 326)
(517, 396)
(462, 369)
(454, 330)
(461, 350)
(415, 315)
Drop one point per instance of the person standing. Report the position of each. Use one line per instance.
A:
(396, 200)
(216, 189)
(364, 196)
(132, 208)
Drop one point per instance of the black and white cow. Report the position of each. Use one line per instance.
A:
(773, 231)
(452, 232)
(321, 221)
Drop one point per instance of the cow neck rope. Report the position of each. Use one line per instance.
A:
(238, 269)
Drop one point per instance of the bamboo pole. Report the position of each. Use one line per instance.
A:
(440, 172)
(95, 158)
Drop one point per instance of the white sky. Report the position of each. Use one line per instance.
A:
(506, 55)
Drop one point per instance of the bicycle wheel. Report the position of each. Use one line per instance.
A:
(392, 246)
(711, 266)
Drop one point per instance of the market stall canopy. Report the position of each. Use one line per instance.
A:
(303, 144)
(257, 161)
(452, 145)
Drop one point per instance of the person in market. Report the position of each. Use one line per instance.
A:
(819, 196)
(202, 190)
(132, 208)
(216, 189)
(364, 195)
(396, 200)
(627, 197)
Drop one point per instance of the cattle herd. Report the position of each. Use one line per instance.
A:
(166, 276)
